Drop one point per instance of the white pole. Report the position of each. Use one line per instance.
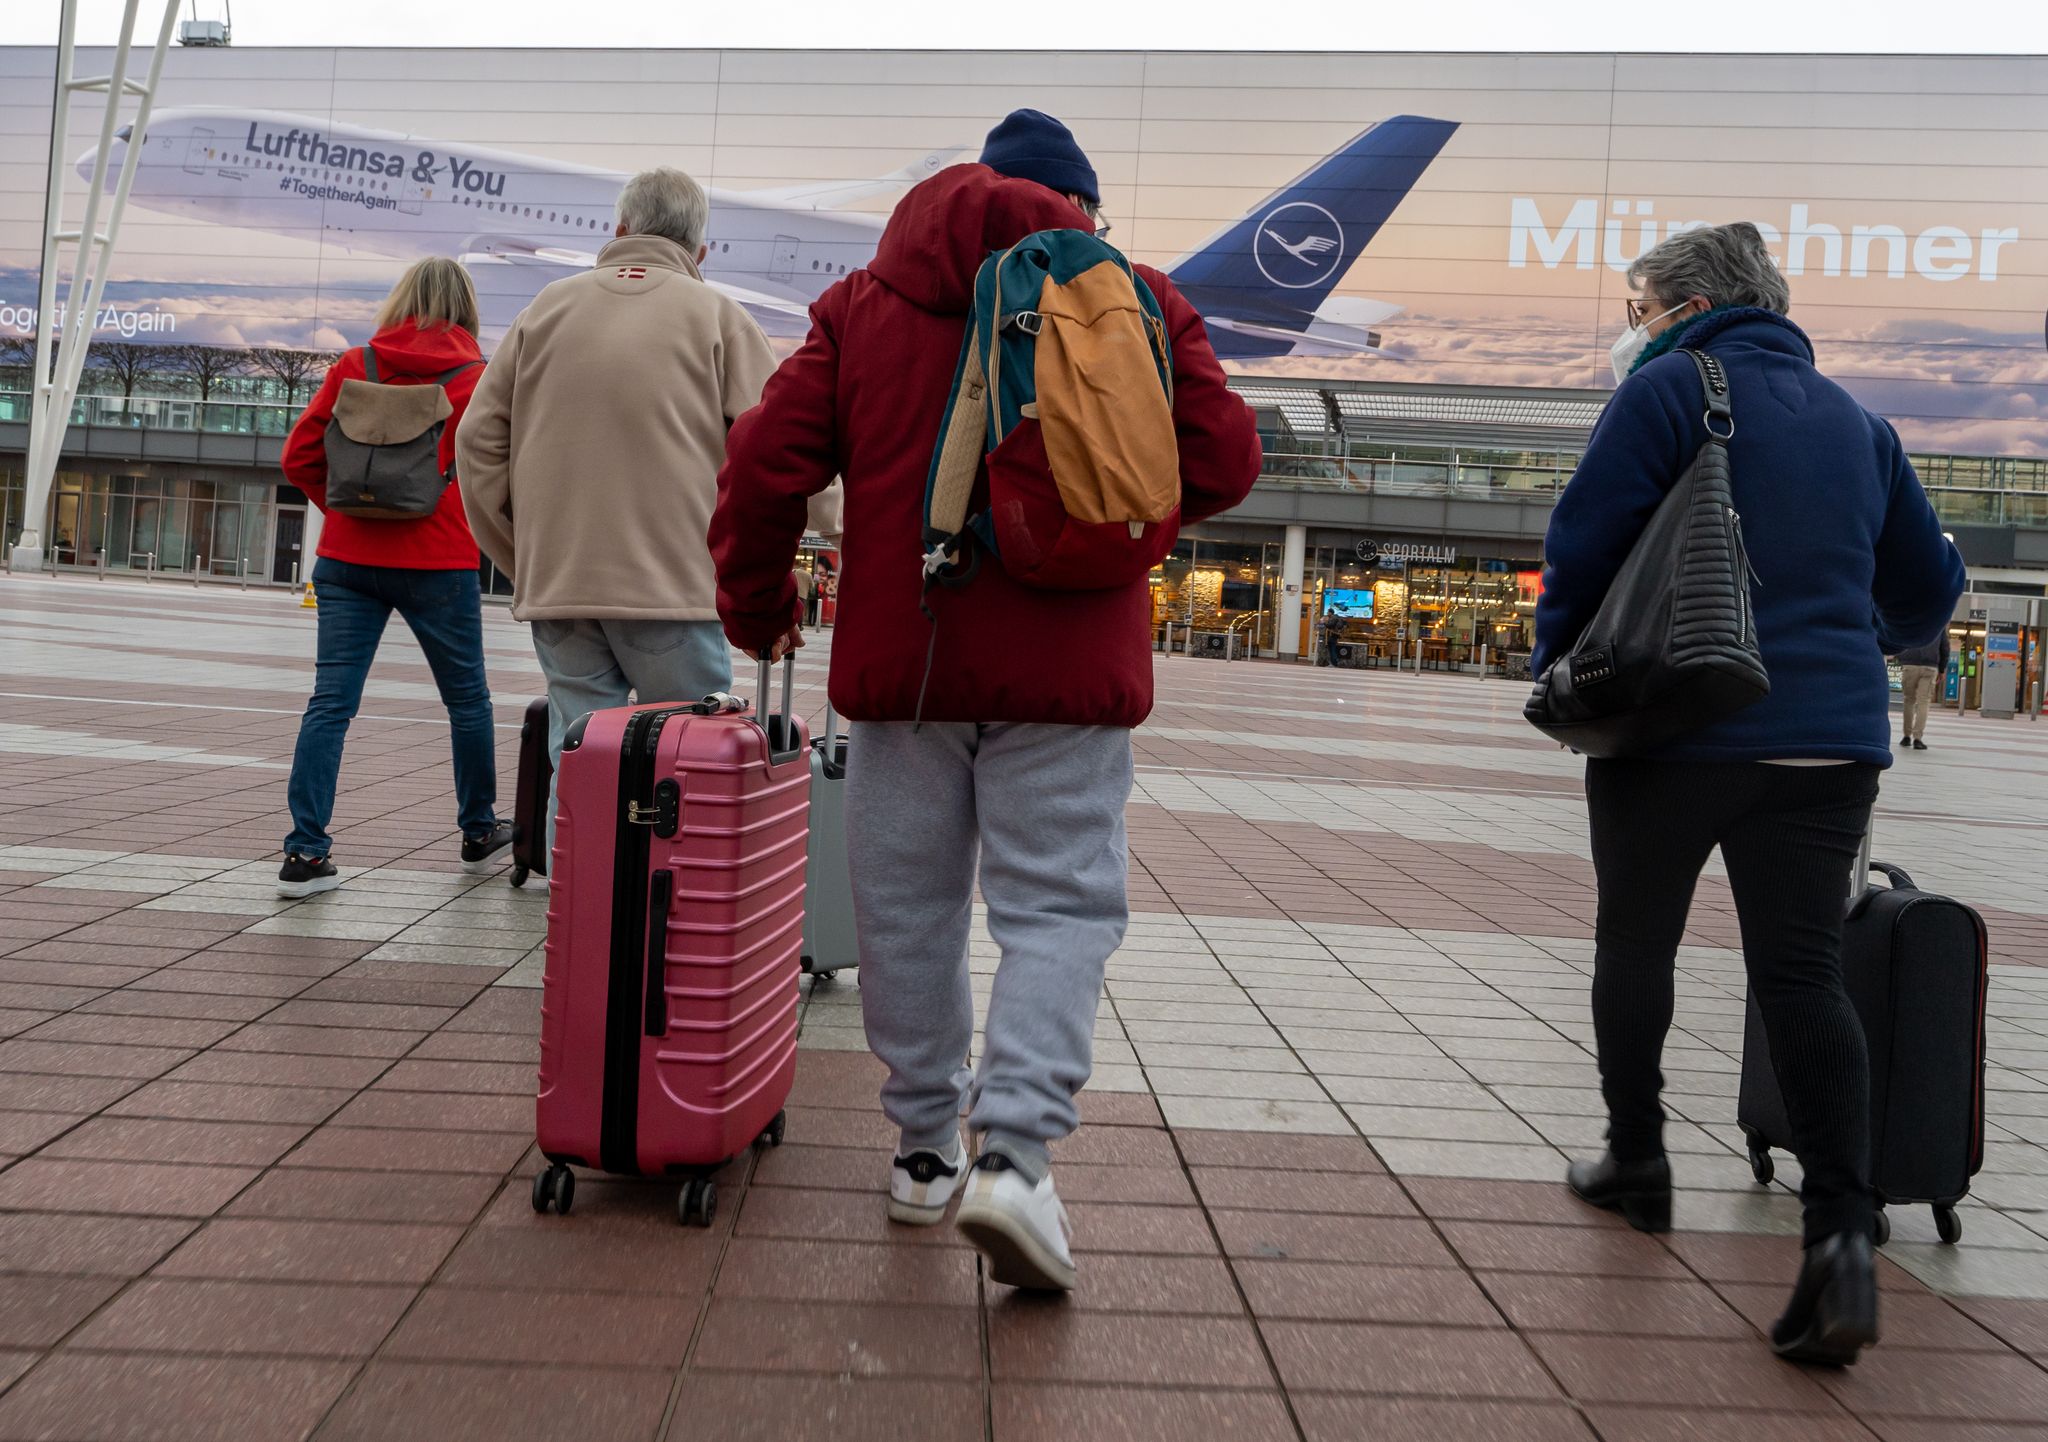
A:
(57, 375)
(1287, 611)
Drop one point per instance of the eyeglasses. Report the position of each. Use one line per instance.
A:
(1102, 226)
(1637, 311)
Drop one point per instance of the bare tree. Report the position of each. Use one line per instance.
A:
(291, 368)
(207, 365)
(18, 359)
(128, 363)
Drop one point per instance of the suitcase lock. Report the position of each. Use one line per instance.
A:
(665, 815)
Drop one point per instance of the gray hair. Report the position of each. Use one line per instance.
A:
(1728, 264)
(664, 201)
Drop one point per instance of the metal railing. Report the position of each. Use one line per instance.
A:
(2016, 496)
(2020, 499)
(166, 413)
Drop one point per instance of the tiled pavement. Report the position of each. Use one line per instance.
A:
(263, 1168)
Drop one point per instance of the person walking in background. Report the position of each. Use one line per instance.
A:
(425, 569)
(1014, 759)
(590, 456)
(1850, 563)
(1920, 671)
(807, 595)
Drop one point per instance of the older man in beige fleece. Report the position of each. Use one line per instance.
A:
(589, 460)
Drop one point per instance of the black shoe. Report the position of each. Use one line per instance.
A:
(303, 876)
(1919, 745)
(1833, 1312)
(1640, 1191)
(1905, 741)
(478, 850)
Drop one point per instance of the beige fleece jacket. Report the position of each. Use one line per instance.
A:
(589, 455)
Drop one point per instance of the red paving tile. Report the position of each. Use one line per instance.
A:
(1066, 1413)
(268, 1318)
(1408, 1419)
(127, 1188)
(1418, 1361)
(169, 1399)
(1714, 1374)
(304, 1251)
(455, 1324)
(426, 1402)
(778, 1408)
(840, 1339)
(1053, 1344)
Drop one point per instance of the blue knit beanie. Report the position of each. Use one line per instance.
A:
(1031, 145)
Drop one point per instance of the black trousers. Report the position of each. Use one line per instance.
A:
(1789, 836)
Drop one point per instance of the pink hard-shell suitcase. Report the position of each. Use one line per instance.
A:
(675, 924)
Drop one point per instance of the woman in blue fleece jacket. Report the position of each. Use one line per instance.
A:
(1850, 565)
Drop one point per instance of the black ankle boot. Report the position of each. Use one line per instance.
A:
(1640, 1191)
(1833, 1312)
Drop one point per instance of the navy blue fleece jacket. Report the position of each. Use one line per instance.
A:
(1850, 560)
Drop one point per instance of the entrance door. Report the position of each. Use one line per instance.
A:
(67, 531)
(782, 259)
(291, 533)
(197, 152)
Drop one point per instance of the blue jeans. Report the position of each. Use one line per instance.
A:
(445, 612)
(596, 665)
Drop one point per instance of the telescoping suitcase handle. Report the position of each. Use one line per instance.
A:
(780, 729)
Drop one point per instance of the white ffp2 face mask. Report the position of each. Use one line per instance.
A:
(1634, 341)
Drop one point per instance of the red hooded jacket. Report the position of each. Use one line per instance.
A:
(863, 399)
(406, 355)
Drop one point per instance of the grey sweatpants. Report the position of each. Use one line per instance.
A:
(1041, 810)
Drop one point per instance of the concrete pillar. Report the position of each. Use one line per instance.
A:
(1287, 606)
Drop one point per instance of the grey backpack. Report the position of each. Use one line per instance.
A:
(384, 446)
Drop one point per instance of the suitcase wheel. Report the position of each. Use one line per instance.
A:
(1882, 1230)
(557, 1187)
(1947, 1225)
(773, 1136)
(822, 976)
(1761, 1166)
(698, 1203)
(519, 875)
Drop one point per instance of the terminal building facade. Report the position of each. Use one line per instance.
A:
(1413, 266)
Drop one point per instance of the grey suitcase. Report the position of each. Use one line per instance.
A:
(829, 943)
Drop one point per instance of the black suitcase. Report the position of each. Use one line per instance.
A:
(530, 797)
(1916, 966)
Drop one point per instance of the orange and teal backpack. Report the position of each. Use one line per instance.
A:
(1058, 455)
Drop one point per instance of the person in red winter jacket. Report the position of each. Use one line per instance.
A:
(1019, 754)
(424, 569)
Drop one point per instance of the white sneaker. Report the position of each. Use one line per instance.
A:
(1022, 1229)
(922, 1183)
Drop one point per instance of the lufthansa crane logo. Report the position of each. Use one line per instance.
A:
(1298, 245)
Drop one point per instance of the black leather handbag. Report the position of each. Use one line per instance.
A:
(1673, 646)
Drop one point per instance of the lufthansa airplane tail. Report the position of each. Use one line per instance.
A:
(1264, 283)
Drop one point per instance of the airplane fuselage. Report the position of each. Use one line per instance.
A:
(380, 193)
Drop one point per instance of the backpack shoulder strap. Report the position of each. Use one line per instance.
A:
(963, 441)
(454, 371)
(370, 364)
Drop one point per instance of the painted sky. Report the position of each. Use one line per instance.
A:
(1940, 161)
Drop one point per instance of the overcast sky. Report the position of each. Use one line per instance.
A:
(1763, 26)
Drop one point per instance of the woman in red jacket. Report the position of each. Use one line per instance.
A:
(424, 569)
